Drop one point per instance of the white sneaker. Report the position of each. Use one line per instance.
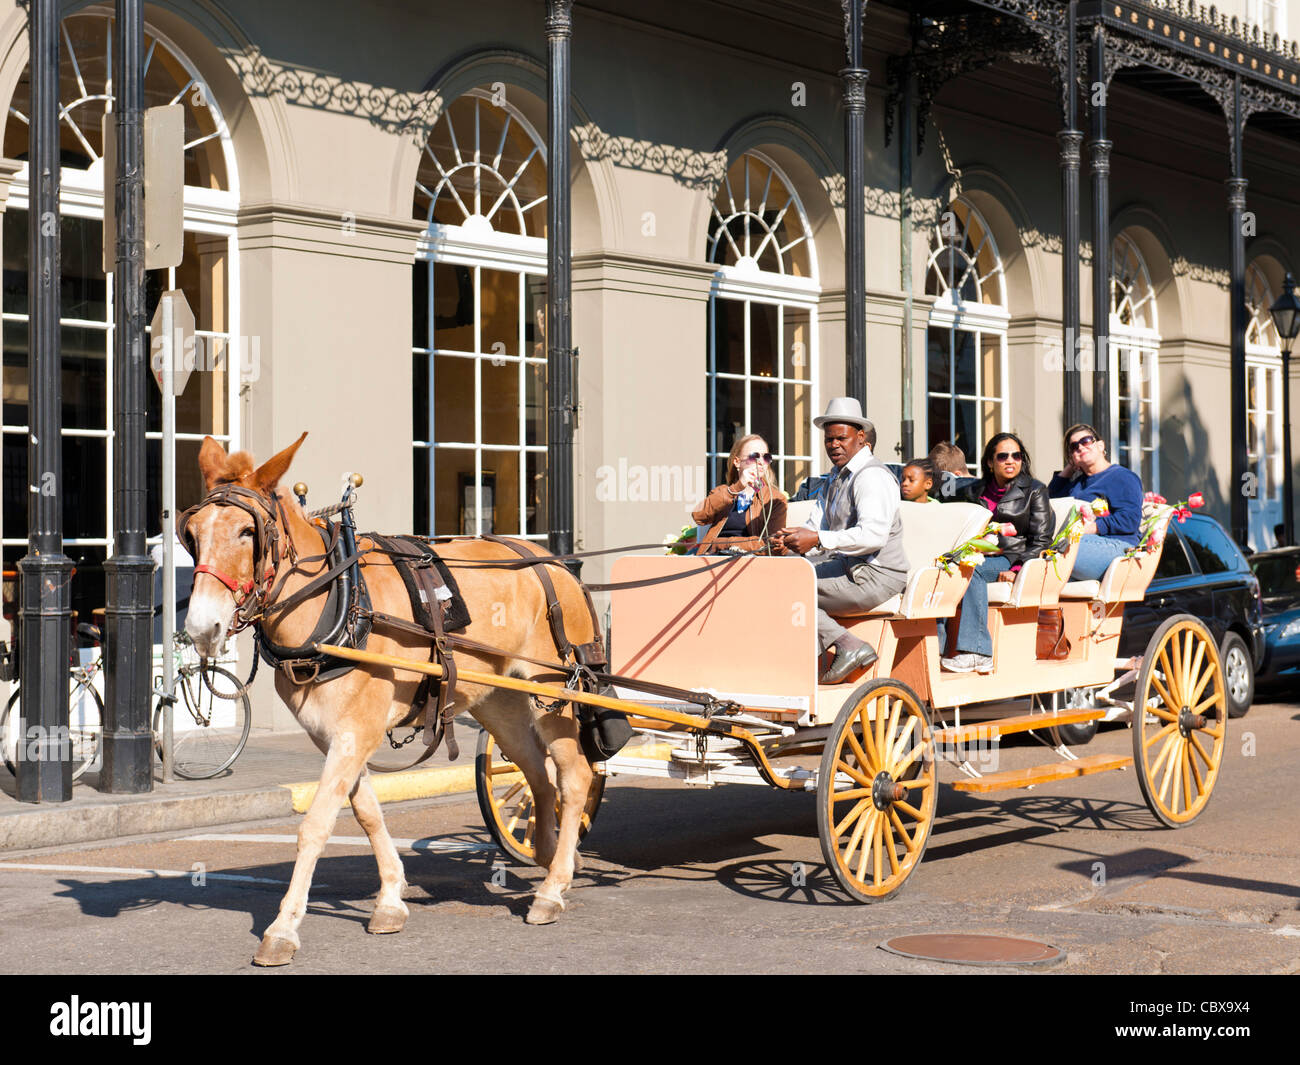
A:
(960, 663)
(983, 663)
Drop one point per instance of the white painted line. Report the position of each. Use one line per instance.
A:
(114, 870)
(436, 845)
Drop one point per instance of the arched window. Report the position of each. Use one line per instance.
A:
(479, 302)
(762, 340)
(1263, 411)
(1134, 363)
(966, 339)
(207, 275)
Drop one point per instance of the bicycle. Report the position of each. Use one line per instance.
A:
(206, 739)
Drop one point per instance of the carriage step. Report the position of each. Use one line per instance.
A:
(1041, 774)
(985, 730)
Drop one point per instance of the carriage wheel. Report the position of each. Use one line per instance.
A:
(876, 790)
(506, 801)
(1178, 739)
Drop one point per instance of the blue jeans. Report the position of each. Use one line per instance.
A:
(1095, 554)
(973, 628)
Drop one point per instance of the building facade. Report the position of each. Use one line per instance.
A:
(365, 253)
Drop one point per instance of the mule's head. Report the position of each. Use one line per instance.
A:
(229, 555)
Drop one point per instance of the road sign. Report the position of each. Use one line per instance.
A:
(172, 343)
(164, 182)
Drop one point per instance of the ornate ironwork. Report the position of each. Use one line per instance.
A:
(847, 7)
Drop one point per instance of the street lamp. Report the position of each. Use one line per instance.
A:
(1286, 318)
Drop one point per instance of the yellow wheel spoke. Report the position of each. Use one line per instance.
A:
(843, 767)
(854, 793)
(1196, 743)
(514, 790)
(880, 724)
(908, 841)
(855, 812)
(861, 755)
(920, 783)
(1165, 752)
(1164, 693)
(1184, 770)
(1169, 684)
(528, 833)
(1209, 700)
(900, 744)
(869, 823)
(903, 766)
(891, 729)
(867, 726)
(501, 770)
(1175, 678)
(1198, 680)
(891, 847)
(1172, 747)
(1195, 771)
(1186, 658)
(910, 810)
(877, 865)
(1216, 732)
(1163, 732)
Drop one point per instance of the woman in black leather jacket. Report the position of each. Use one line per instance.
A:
(1009, 490)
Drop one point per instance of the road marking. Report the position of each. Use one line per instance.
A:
(437, 845)
(115, 870)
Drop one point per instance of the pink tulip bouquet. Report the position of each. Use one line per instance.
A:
(973, 551)
(1156, 515)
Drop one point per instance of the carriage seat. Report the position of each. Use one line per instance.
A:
(1037, 581)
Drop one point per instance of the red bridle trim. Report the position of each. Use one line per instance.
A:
(235, 587)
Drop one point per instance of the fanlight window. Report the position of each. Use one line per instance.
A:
(963, 266)
(757, 224)
(85, 96)
(484, 167)
(1132, 299)
(1260, 329)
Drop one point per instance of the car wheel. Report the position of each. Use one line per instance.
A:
(1238, 674)
(1076, 735)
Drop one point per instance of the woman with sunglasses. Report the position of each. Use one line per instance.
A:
(1009, 490)
(1089, 475)
(748, 507)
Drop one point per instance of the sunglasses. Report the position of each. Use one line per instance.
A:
(754, 456)
(1008, 456)
(1082, 442)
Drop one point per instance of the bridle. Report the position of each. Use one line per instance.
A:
(268, 515)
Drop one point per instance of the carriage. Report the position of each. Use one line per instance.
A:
(871, 748)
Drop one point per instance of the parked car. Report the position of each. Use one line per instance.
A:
(1279, 581)
(1202, 573)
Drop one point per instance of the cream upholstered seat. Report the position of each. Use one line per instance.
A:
(930, 529)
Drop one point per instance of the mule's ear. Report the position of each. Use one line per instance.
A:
(269, 473)
(212, 460)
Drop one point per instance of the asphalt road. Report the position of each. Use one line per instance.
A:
(724, 881)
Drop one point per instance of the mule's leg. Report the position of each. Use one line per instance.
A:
(508, 717)
(342, 766)
(390, 911)
(560, 733)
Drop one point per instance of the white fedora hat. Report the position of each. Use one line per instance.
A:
(844, 410)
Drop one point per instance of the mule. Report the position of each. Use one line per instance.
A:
(347, 717)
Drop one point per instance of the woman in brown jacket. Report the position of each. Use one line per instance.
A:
(748, 508)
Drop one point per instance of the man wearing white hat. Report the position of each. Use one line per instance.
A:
(855, 540)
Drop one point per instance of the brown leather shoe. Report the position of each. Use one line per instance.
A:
(856, 658)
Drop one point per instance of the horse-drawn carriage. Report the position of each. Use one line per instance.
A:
(747, 631)
(715, 657)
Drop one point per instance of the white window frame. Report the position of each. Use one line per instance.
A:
(205, 211)
(478, 246)
(746, 284)
(1127, 341)
(1264, 362)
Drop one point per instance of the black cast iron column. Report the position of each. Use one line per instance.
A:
(45, 598)
(1288, 498)
(128, 633)
(1100, 240)
(1240, 490)
(855, 222)
(906, 119)
(559, 325)
(1070, 138)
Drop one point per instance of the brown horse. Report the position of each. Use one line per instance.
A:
(347, 717)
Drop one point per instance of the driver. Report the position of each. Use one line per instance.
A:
(854, 536)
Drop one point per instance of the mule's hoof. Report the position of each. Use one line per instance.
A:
(546, 909)
(386, 919)
(275, 950)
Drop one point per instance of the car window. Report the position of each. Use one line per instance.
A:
(1210, 546)
(1173, 559)
(1278, 574)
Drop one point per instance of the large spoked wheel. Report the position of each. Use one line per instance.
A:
(85, 725)
(210, 722)
(1178, 739)
(506, 801)
(876, 790)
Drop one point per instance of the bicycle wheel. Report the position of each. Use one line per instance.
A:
(211, 722)
(85, 725)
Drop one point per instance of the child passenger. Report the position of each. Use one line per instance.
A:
(918, 481)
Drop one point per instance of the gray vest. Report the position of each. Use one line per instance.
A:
(891, 556)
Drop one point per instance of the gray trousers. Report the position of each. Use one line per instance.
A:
(849, 594)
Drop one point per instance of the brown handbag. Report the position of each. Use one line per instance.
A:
(1052, 643)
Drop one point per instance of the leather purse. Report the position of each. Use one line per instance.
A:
(1052, 643)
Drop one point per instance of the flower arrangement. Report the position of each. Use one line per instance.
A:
(973, 551)
(1072, 529)
(681, 543)
(1157, 512)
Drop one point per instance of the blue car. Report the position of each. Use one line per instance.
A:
(1279, 580)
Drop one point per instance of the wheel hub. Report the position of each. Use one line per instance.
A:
(1189, 722)
(884, 792)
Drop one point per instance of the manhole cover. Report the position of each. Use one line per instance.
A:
(975, 950)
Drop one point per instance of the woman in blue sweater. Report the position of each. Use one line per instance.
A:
(1088, 475)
